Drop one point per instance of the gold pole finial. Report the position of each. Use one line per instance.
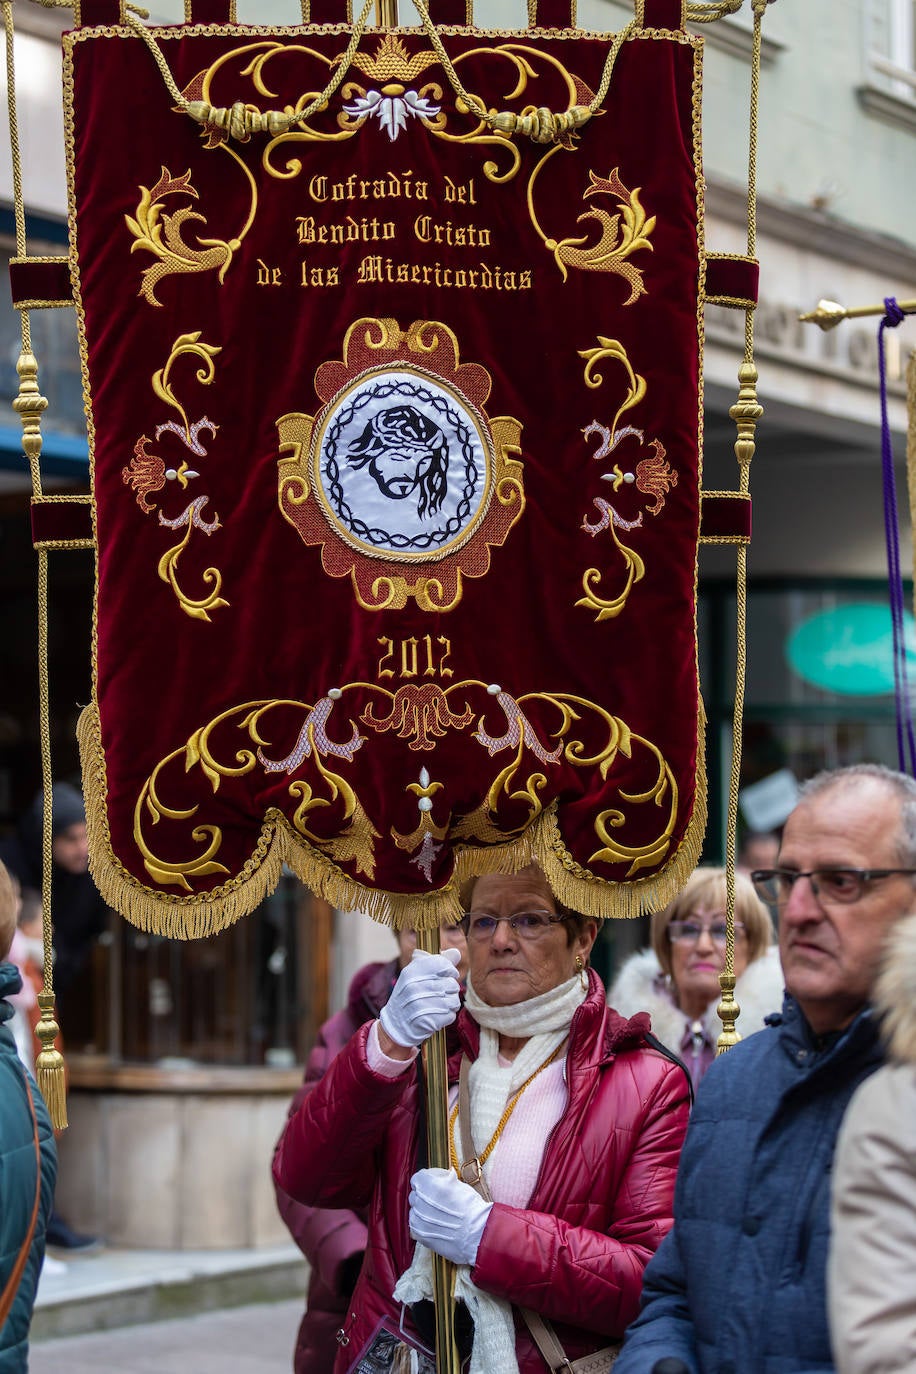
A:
(829, 314)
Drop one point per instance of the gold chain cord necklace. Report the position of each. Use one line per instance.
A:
(484, 1155)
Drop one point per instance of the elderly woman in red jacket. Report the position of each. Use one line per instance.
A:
(574, 1114)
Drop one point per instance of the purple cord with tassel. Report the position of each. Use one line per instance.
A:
(906, 742)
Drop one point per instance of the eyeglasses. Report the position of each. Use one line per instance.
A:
(527, 925)
(832, 885)
(689, 932)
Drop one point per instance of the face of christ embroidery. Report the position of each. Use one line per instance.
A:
(402, 478)
(402, 467)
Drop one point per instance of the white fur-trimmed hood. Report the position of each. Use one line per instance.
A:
(759, 992)
(895, 992)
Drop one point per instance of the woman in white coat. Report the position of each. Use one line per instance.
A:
(872, 1266)
(677, 980)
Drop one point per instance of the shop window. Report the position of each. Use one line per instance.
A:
(819, 689)
(253, 995)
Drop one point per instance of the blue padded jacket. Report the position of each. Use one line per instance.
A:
(739, 1284)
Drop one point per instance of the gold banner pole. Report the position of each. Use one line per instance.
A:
(386, 14)
(436, 1075)
(829, 314)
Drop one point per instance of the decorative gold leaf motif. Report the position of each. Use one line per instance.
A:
(620, 235)
(392, 61)
(214, 750)
(609, 609)
(161, 234)
(420, 714)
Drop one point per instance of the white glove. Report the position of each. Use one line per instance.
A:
(447, 1215)
(425, 998)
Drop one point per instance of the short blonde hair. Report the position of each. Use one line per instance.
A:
(706, 887)
(9, 904)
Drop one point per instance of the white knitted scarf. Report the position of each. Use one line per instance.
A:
(545, 1021)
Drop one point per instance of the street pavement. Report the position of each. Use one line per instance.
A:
(257, 1339)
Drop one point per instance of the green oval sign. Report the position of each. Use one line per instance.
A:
(849, 650)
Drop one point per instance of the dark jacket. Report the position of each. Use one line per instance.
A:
(740, 1283)
(600, 1207)
(78, 911)
(332, 1239)
(17, 1183)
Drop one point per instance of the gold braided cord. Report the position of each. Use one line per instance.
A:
(49, 1066)
(746, 412)
(238, 119)
(699, 12)
(542, 126)
(29, 404)
(501, 1124)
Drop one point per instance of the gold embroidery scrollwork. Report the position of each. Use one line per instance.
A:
(161, 234)
(607, 608)
(355, 837)
(615, 244)
(647, 855)
(147, 473)
(418, 714)
(482, 826)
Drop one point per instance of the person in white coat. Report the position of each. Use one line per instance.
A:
(677, 980)
(872, 1262)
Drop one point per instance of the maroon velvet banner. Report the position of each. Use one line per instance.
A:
(394, 429)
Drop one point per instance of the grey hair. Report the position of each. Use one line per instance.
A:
(900, 784)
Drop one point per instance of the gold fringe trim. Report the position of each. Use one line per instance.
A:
(194, 917)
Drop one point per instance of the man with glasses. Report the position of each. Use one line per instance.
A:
(740, 1282)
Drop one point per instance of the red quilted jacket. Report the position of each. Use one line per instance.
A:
(600, 1208)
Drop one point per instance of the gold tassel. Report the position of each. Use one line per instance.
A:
(728, 1010)
(49, 1066)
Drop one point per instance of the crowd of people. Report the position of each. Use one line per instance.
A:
(596, 1213)
(619, 1193)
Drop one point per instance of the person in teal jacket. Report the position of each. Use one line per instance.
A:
(21, 1174)
(739, 1285)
